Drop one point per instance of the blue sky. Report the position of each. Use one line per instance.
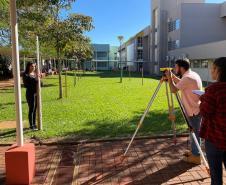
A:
(116, 17)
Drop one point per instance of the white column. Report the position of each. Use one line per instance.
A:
(39, 107)
(16, 73)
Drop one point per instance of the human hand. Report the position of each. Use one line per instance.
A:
(169, 75)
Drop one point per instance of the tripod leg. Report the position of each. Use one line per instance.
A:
(200, 151)
(167, 96)
(192, 132)
(144, 115)
(173, 118)
(171, 111)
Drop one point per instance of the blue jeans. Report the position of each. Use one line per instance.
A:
(215, 159)
(195, 122)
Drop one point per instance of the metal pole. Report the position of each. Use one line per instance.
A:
(129, 73)
(144, 115)
(39, 93)
(75, 78)
(66, 83)
(16, 73)
(121, 61)
(142, 71)
(24, 63)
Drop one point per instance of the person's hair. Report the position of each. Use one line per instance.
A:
(220, 63)
(28, 67)
(185, 63)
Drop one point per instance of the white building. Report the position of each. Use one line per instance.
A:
(187, 28)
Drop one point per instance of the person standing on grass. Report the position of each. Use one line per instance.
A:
(190, 81)
(213, 127)
(30, 80)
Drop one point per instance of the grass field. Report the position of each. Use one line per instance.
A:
(97, 107)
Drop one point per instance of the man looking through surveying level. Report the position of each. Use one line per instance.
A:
(188, 82)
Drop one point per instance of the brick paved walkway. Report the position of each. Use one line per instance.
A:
(149, 162)
(4, 84)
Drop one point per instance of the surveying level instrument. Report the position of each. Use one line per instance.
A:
(172, 117)
(164, 69)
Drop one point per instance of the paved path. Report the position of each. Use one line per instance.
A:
(7, 124)
(149, 162)
(4, 84)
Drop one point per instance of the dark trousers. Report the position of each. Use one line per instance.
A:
(215, 159)
(32, 105)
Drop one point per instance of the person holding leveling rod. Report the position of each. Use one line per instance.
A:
(190, 81)
(213, 127)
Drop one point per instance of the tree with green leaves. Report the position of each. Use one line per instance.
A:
(4, 23)
(80, 50)
(43, 18)
(64, 31)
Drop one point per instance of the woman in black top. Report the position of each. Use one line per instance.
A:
(30, 79)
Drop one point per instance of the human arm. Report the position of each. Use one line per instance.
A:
(171, 77)
(175, 78)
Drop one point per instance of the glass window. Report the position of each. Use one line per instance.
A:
(173, 44)
(101, 64)
(177, 22)
(169, 45)
(177, 44)
(174, 25)
(204, 64)
(196, 64)
(139, 54)
(101, 54)
(139, 41)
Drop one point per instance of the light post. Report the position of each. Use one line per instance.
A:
(120, 38)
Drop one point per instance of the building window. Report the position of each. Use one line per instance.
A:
(139, 54)
(172, 45)
(196, 64)
(101, 64)
(170, 26)
(177, 44)
(177, 22)
(101, 54)
(204, 64)
(173, 25)
(200, 63)
(139, 42)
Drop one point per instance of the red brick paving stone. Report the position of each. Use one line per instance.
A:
(64, 175)
(2, 164)
(44, 157)
(149, 162)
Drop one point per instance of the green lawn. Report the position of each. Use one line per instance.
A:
(97, 107)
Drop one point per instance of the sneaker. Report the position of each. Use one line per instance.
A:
(187, 153)
(35, 128)
(192, 159)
